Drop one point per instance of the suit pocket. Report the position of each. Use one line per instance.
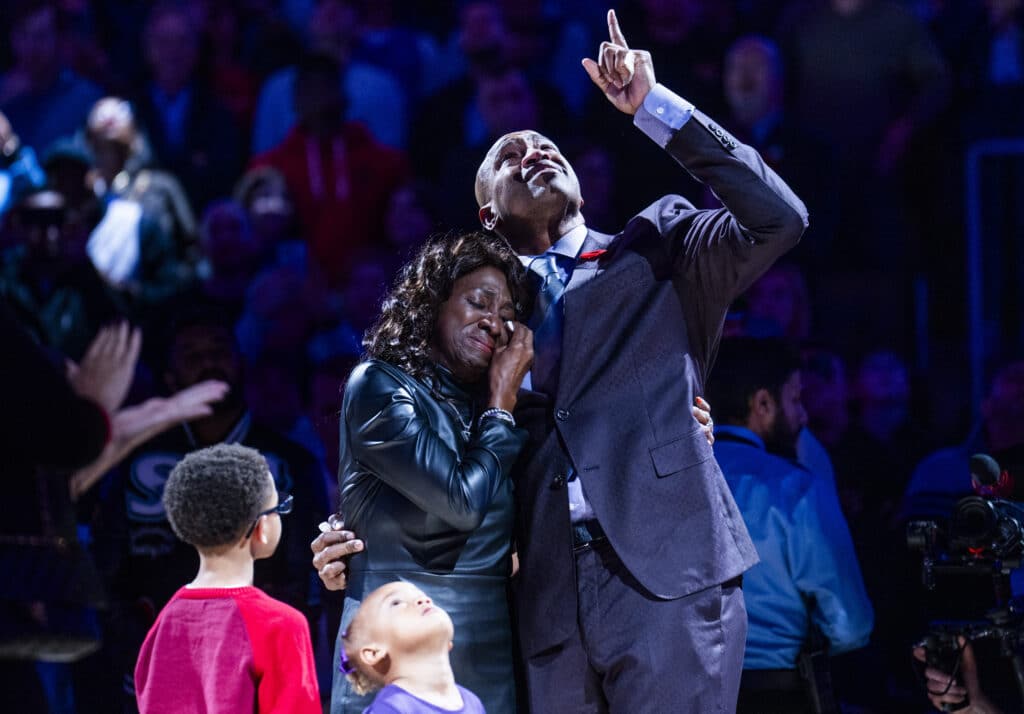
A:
(680, 454)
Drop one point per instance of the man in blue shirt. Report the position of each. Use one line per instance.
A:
(808, 571)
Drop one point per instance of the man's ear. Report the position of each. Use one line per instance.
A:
(761, 411)
(488, 218)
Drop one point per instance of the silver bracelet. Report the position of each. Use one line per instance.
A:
(503, 414)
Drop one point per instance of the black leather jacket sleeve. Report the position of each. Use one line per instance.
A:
(399, 432)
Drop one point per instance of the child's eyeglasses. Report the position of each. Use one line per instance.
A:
(283, 508)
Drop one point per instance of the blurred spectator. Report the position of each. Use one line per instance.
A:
(370, 95)
(279, 317)
(597, 171)
(942, 478)
(263, 193)
(873, 464)
(338, 175)
(686, 36)
(192, 135)
(54, 424)
(410, 218)
(43, 99)
(755, 94)
(67, 164)
(867, 75)
(231, 256)
(778, 304)
(387, 41)
(825, 394)
(143, 561)
(504, 101)
(808, 574)
(877, 453)
(992, 74)
(47, 279)
(144, 207)
(20, 173)
(547, 42)
(231, 81)
(472, 110)
(275, 397)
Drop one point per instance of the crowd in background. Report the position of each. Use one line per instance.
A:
(241, 179)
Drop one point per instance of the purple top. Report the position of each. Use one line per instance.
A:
(395, 700)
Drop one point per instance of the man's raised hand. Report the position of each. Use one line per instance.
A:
(624, 75)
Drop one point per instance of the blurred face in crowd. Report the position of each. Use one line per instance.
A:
(753, 81)
(848, 7)
(780, 297)
(407, 222)
(826, 396)
(226, 241)
(270, 212)
(111, 132)
(333, 27)
(202, 352)
(597, 176)
(172, 50)
(883, 395)
(1003, 408)
(482, 36)
(273, 395)
(1002, 12)
(783, 417)
(471, 323)
(365, 287)
(34, 41)
(319, 104)
(523, 175)
(507, 102)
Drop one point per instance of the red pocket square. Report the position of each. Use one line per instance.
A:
(592, 254)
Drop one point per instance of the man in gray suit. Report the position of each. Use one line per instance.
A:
(631, 548)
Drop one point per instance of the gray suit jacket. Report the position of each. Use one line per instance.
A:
(642, 323)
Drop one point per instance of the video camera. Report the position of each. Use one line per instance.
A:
(983, 536)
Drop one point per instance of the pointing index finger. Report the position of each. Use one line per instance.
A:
(614, 32)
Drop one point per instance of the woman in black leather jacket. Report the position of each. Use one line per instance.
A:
(427, 443)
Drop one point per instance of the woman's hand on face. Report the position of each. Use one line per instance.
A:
(512, 359)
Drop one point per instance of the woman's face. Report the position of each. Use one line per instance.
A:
(471, 323)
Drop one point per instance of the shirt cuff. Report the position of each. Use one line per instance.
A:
(662, 114)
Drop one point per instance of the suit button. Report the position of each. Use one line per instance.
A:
(558, 481)
(562, 414)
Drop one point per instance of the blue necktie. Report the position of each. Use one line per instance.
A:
(546, 323)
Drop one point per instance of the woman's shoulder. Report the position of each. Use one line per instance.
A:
(376, 376)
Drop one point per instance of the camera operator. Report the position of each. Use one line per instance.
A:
(971, 548)
(946, 693)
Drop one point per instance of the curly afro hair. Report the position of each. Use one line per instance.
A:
(405, 328)
(213, 495)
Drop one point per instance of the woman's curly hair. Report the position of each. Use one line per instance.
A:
(404, 331)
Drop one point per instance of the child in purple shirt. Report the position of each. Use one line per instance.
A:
(399, 640)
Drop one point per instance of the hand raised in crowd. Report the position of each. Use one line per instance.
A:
(107, 369)
(513, 357)
(702, 413)
(330, 549)
(134, 425)
(944, 692)
(624, 75)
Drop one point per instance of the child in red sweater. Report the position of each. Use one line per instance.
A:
(221, 645)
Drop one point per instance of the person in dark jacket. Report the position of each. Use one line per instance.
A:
(427, 444)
